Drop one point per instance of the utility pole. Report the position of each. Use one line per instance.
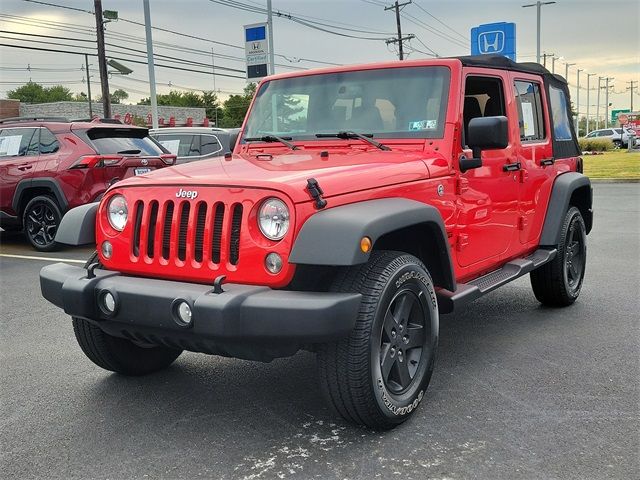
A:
(606, 101)
(538, 6)
(598, 103)
(152, 73)
(396, 6)
(544, 56)
(553, 64)
(213, 64)
(631, 90)
(272, 62)
(102, 60)
(86, 64)
(578, 100)
(566, 70)
(589, 75)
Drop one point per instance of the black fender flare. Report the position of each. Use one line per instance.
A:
(44, 182)
(563, 190)
(78, 226)
(332, 237)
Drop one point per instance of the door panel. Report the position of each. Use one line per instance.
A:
(18, 158)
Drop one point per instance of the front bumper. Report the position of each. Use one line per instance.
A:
(237, 322)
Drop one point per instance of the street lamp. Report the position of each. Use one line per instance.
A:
(578, 99)
(606, 99)
(589, 75)
(566, 70)
(538, 6)
(553, 63)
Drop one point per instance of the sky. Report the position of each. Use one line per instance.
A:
(599, 37)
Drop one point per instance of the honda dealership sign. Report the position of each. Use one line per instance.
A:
(256, 48)
(494, 38)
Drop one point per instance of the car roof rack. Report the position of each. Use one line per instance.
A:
(34, 119)
(98, 120)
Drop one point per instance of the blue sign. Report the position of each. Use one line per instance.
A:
(252, 34)
(494, 38)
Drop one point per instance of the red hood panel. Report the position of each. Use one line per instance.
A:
(339, 173)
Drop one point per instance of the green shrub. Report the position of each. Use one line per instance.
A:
(595, 144)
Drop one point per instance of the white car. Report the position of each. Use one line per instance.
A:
(195, 143)
(619, 136)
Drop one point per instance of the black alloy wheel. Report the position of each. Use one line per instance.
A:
(575, 256)
(41, 219)
(402, 339)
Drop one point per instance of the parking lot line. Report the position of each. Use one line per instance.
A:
(47, 259)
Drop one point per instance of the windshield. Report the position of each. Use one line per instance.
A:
(389, 103)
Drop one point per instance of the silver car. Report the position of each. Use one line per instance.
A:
(619, 136)
(195, 143)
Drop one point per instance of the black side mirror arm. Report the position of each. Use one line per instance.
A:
(470, 163)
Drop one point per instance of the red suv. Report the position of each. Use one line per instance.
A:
(48, 166)
(360, 203)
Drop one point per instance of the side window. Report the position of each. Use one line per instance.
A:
(530, 117)
(483, 97)
(560, 114)
(180, 145)
(209, 144)
(48, 142)
(17, 142)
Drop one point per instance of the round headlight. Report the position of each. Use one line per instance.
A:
(273, 219)
(117, 212)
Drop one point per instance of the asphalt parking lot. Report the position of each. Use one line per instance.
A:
(519, 391)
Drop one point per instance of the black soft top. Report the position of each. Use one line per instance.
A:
(503, 63)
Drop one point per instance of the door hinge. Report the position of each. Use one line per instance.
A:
(524, 175)
(462, 185)
(463, 241)
(522, 222)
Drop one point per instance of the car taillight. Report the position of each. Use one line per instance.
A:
(91, 161)
(168, 158)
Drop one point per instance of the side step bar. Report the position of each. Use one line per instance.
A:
(467, 292)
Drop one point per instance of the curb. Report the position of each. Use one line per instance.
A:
(615, 180)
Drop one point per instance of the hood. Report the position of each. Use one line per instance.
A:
(337, 173)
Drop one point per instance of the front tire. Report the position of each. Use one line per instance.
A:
(41, 219)
(118, 354)
(378, 375)
(558, 282)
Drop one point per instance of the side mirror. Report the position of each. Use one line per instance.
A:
(485, 133)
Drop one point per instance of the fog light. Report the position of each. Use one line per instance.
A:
(107, 249)
(183, 312)
(273, 263)
(108, 302)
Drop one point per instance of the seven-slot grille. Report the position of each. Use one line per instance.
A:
(186, 231)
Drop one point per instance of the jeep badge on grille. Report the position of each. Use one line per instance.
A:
(187, 194)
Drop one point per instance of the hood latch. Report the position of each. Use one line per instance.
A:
(316, 193)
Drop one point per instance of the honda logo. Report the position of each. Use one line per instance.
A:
(491, 42)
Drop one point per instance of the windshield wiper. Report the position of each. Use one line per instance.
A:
(273, 138)
(129, 152)
(349, 134)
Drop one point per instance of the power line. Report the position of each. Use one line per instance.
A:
(415, 2)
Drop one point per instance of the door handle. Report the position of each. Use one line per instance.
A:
(22, 168)
(547, 161)
(511, 167)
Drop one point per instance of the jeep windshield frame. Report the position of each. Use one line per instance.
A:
(400, 102)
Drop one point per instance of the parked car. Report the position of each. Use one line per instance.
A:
(195, 143)
(619, 136)
(49, 165)
(383, 196)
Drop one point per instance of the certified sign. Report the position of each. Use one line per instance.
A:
(256, 48)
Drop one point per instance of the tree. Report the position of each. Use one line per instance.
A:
(212, 106)
(176, 98)
(236, 106)
(35, 93)
(118, 95)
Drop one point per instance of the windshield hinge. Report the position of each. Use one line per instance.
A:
(316, 193)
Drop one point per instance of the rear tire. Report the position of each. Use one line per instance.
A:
(378, 375)
(558, 282)
(41, 219)
(118, 354)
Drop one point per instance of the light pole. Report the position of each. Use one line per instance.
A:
(152, 72)
(606, 101)
(578, 100)
(538, 6)
(272, 63)
(553, 63)
(566, 70)
(598, 103)
(589, 75)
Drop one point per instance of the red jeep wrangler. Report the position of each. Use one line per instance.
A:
(49, 165)
(359, 203)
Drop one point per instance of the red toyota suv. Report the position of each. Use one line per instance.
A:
(359, 204)
(48, 166)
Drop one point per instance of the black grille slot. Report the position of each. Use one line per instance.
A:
(166, 232)
(199, 240)
(182, 233)
(218, 219)
(151, 235)
(136, 229)
(234, 242)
